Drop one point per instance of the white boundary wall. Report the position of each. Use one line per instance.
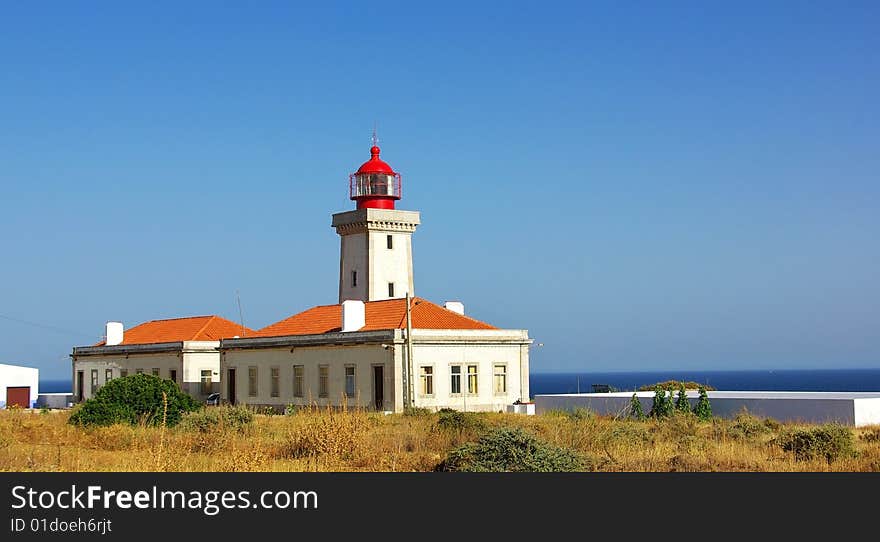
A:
(848, 408)
(14, 376)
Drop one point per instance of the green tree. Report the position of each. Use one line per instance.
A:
(703, 409)
(635, 408)
(681, 401)
(135, 399)
(661, 405)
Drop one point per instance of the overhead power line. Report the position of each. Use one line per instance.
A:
(45, 326)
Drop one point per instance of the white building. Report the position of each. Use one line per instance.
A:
(19, 386)
(185, 350)
(379, 347)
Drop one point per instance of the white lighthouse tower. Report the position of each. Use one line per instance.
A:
(375, 257)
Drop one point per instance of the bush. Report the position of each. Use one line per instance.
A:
(337, 435)
(703, 409)
(635, 408)
(871, 435)
(672, 385)
(212, 419)
(510, 450)
(829, 441)
(681, 401)
(135, 399)
(747, 427)
(662, 405)
(450, 419)
(417, 412)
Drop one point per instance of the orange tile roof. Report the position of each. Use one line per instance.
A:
(388, 314)
(193, 328)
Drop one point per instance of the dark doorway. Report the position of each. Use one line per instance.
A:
(19, 396)
(79, 386)
(173, 374)
(230, 387)
(379, 387)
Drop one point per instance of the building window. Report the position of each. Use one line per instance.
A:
(501, 379)
(390, 289)
(94, 380)
(276, 381)
(354, 279)
(206, 382)
(155, 371)
(123, 373)
(349, 381)
(472, 378)
(455, 379)
(427, 377)
(323, 381)
(252, 381)
(173, 375)
(108, 375)
(298, 371)
(138, 371)
(390, 242)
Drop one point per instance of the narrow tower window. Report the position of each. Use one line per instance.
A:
(354, 279)
(390, 242)
(390, 289)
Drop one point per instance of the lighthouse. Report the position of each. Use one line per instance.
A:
(375, 256)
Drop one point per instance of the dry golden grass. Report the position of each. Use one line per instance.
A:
(353, 440)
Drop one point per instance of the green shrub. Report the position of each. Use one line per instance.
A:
(681, 401)
(211, 419)
(703, 409)
(747, 427)
(635, 408)
(511, 450)
(578, 414)
(672, 385)
(871, 435)
(455, 420)
(829, 441)
(417, 412)
(662, 405)
(135, 399)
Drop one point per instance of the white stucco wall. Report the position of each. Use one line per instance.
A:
(362, 357)
(353, 257)
(390, 265)
(441, 358)
(194, 357)
(438, 349)
(164, 361)
(12, 376)
(364, 248)
(867, 411)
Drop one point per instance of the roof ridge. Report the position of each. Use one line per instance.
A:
(179, 318)
(199, 332)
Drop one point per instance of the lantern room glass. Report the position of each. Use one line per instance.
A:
(375, 184)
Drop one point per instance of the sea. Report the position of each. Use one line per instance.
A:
(753, 380)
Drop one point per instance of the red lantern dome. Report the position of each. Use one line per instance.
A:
(374, 185)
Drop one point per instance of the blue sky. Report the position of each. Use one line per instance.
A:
(642, 185)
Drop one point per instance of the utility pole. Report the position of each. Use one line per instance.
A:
(409, 352)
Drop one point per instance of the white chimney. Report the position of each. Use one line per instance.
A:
(353, 315)
(113, 333)
(454, 306)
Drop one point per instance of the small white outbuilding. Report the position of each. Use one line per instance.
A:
(19, 386)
